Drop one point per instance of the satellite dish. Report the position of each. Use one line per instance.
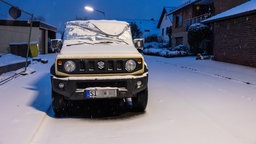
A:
(14, 12)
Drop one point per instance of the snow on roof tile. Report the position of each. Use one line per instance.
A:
(236, 11)
(187, 3)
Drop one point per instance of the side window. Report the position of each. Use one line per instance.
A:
(179, 21)
(162, 31)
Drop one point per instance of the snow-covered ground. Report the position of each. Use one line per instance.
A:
(6, 59)
(190, 102)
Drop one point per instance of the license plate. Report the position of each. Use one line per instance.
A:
(100, 93)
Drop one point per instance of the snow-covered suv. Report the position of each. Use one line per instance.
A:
(98, 60)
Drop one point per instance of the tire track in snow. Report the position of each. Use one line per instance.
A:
(209, 74)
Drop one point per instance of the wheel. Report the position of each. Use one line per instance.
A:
(59, 104)
(139, 102)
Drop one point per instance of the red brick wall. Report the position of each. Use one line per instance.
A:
(223, 5)
(186, 14)
(235, 40)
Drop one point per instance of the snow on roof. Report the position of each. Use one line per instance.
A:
(166, 10)
(236, 11)
(204, 2)
(187, 3)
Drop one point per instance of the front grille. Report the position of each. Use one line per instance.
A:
(99, 66)
(83, 85)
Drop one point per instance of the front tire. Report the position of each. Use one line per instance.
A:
(139, 102)
(59, 104)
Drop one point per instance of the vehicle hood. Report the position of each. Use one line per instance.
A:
(106, 50)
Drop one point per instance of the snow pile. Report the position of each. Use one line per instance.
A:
(153, 49)
(7, 59)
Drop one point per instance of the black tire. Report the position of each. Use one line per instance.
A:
(59, 104)
(139, 102)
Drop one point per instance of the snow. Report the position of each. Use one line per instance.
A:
(153, 49)
(243, 8)
(23, 43)
(23, 103)
(190, 101)
(94, 51)
(187, 3)
(97, 31)
(7, 59)
(111, 27)
(197, 26)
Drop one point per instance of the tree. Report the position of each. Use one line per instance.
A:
(199, 39)
(136, 33)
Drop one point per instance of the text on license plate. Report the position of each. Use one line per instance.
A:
(100, 93)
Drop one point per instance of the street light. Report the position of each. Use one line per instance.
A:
(91, 9)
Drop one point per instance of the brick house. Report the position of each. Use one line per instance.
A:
(221, 6)
(193, 11)
(165, 23)
(235, 33)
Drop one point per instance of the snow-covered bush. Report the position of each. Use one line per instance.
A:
(181, 47)
(199, 38)
(164, 52)
(157, 49)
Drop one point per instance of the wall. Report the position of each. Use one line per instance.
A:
(221, 6)
(16, 34)
(235, 40)
(178, 32)
(166, 23)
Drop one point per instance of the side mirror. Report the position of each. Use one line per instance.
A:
(139, 43)
(56, 45)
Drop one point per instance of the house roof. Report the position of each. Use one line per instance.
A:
(26, 24)
(166, 10)
(241, 10)
(187, 3)
(204, 2)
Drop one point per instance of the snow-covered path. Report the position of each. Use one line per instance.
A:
(195, 102)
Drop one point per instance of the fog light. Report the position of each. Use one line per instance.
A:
(61, 85)
(139, 84)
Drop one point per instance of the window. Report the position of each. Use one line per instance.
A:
(179, 21)
(168, 29)
(162, 31)
(179, 40)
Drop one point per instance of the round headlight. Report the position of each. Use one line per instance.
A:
(130, 65)
(69, 66)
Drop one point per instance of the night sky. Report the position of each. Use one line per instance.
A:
(56, 12)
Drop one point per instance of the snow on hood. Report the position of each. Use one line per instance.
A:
(100, 50)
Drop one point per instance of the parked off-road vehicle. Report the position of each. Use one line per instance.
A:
(98, 60)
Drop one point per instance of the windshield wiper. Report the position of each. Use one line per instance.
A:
(81, 43)
(104, 42)
(112, 39)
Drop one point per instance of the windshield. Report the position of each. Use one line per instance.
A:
(87, 32)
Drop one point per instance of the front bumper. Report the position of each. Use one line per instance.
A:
(73, 88)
